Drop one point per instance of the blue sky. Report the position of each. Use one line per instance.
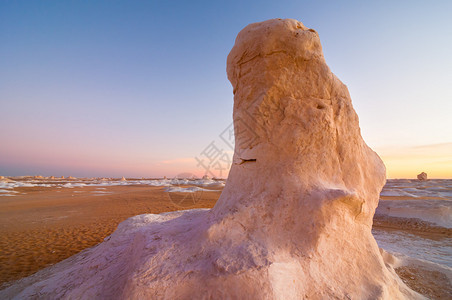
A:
(139, 88)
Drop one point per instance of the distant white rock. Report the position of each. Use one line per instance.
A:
(294, 219)
(206, 177)
(6, 179)
(123, 178)
(422, 176)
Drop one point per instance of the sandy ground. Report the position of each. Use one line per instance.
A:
(47, 225)
(413, 226)
(432, 284)
(42, 226)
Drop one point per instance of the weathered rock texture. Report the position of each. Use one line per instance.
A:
(294, 220)
(422, 176)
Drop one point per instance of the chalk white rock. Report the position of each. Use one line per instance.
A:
(6, 179)
(123, 178)
(422, 176)
(294, 220)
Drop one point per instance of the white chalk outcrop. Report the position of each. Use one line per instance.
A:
(294, 220)
(422, 176)
(5, 179)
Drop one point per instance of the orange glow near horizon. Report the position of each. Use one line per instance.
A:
(407, 162)
(401, 162)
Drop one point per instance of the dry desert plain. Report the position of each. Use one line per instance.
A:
(41, 226)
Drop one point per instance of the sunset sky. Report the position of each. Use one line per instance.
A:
(139, 88)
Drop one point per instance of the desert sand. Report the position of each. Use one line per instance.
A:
(44, 226)
(47, 224)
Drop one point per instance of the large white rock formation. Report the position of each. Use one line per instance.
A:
(294, 220)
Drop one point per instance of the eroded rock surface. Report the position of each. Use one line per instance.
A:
(294, 220)
(422, 176)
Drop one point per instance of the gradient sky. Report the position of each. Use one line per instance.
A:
(139, 88)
